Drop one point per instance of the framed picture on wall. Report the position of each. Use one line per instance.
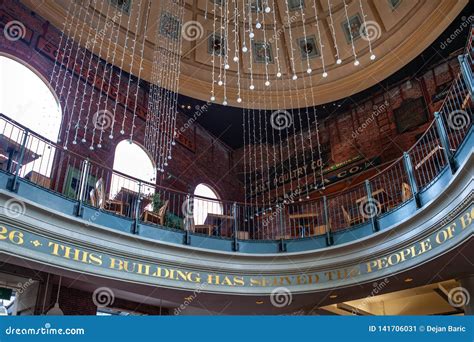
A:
(411, 114)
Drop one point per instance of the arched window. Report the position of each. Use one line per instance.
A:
(202, 207)
(26, 98)
(131, 159)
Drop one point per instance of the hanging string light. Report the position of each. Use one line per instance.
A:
(333, 31)
(162, 105)
(367, 34)
(356, 61)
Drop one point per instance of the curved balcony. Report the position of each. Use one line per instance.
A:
(98, 195)
(60, 209)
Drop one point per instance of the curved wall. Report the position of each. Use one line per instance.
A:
(41, 234)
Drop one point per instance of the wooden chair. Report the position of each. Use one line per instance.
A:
(318, 230)
(112, 206)
(406, 192)
(243, 235)
(350, 221)
(97, 198)
(156, 218)
(206, 229)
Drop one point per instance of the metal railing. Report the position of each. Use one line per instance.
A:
(25, 154)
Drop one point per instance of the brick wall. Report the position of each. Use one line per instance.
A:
(367, 128)
(210, 160)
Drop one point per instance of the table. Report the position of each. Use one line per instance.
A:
(129, 198)
(9, 149)
(314, 230)
(220, 222)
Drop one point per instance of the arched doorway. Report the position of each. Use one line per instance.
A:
(131, 159)
(210, 204)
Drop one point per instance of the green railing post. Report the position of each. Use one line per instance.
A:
(411, 178)
(370, 204)
(12, 184)
(136, 221)
(282, 229)
(235, 244)
(187, 220)
(329, 239)
(443, 137)
(79, 209)
(467, 73)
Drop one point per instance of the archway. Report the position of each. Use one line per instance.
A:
(27, 99)
(206, 201)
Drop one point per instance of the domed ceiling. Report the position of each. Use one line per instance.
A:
(324, 49)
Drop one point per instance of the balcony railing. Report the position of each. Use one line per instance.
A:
(26, 155)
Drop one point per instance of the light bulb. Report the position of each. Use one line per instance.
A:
(111, 136)
(224, 103)
(227, 66)
(244, 49)
(356, 62)
(267, 9)
(309, 71)
(122, 132)
(251, 35)
(325, 74)
(91, 148)
(372, 57)
(278, 74)
(252, 87)
(236, 59)
(294, 77)
(99, 145)
(239, 100)
(74, 142)
(267, 83)
(338, 61)
(213, 98)
(83, 140)
(258, 25)
(220, 83)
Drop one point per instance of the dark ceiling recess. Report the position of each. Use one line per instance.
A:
(226, 122)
